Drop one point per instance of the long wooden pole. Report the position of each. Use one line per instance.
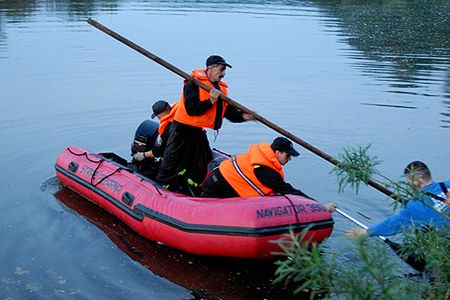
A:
(230, 101)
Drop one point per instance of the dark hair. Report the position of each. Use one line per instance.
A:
(417, 169)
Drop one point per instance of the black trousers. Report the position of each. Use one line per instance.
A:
(187, 148)
(215, 186)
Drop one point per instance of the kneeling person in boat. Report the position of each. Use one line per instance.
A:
(165, 113)
(259, 172)
(146, 145)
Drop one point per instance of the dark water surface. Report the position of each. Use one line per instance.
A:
(335, 73)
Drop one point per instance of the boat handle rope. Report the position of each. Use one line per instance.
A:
(293, 207)
(156, 188)
(83, 154)
(99, 162)
(101, 180)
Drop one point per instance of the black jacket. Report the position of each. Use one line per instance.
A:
(158, 149)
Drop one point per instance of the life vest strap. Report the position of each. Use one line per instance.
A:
(254, 186)
(444, 189)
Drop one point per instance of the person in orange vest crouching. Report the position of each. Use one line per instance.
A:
(259, 172)
(188, 153)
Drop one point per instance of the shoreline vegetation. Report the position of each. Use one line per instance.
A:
(370, 271)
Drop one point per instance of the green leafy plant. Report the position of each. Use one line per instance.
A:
(403, 192)
(355, 167)
(303, 265)
(431, 245)
(373, 274)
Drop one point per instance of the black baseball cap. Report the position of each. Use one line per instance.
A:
(284, 145)
(159, 107)
(216, 60)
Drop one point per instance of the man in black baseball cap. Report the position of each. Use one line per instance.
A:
(159, 107)
(165, 113)
(216, 60)
(188, 151)
(259, 172)
(284, 145)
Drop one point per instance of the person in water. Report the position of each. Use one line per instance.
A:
(258, 172)
(430, 209)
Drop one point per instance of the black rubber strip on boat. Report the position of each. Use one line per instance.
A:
(231, 230)
(140, 211)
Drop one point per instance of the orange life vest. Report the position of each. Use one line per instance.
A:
(167, 118)
(259, 154)
(206, 120)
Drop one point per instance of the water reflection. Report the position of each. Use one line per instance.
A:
(13, 10)
(406, 40)
(62, 84)
(19, 10)
(402, 43)
(206, 278)
(390, 105)
(446, 114)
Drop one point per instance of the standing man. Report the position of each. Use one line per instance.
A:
(429, 209)
(188, 152)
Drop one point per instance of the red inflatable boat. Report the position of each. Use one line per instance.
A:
(233, 227)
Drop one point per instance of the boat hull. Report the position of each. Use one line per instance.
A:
(233, 227)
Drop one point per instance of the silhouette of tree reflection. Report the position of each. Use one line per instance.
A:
(403, 43)
(12, 11)
(17, 10)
